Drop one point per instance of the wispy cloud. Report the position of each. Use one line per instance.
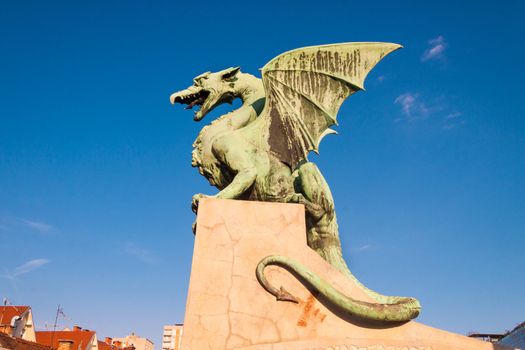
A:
(436, 49)
(415, 108)
(26, 267)
(140, 253)
(411, 106)
(453, 120)
(29, 266)
(365, 247)
(39, 226)
(10, 223)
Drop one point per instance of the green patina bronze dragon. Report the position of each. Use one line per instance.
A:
(259, 152)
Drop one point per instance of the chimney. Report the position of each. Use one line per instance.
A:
(65, 344)
(77, 328)
(118, 343)
(108, 340)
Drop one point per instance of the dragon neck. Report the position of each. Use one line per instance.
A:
(250, 90)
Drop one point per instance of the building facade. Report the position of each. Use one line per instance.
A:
(134, 340)
(110, 344)
(17, 321)
(172, 337)
(515, 338)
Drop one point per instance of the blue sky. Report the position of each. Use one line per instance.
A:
(428, 169)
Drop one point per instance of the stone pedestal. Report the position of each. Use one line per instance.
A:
(228, 309)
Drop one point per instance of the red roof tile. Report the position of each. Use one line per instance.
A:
(102, 345)
(81, 339)
(8, 312)
(13, 343)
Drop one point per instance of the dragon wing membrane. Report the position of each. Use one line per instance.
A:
(305, 89)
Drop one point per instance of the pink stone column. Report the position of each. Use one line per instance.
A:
(228, 309)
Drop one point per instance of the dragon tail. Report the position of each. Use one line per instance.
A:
(397, 309)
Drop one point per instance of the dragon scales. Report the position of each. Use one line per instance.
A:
(259, 152)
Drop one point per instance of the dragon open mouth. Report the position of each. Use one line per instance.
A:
(206, 99)
(191, 100)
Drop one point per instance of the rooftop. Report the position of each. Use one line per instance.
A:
(81, 338)
(8, 342)
(8, 312)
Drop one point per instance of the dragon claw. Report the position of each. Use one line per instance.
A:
(195, 201)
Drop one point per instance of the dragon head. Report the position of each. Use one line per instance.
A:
(208, 91)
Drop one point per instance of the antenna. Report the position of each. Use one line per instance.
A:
(55, 326)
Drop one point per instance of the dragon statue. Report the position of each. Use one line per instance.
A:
(259, 152)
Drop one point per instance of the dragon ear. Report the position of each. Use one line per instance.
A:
(230, 73)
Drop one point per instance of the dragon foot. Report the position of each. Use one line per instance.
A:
(195, 201)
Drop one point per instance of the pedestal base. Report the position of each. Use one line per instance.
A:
(228, 309)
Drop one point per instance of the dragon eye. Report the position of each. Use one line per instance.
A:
(198, 79)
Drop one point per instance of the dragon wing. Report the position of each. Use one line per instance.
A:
(305, 89)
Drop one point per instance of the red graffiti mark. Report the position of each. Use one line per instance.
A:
(302, 323)
(307, 310)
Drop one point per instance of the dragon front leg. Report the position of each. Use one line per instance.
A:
(241, 182)
(237, 159)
